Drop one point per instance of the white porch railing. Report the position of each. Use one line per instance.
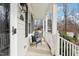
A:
(49, 38)
(60, 46)
(67, 48)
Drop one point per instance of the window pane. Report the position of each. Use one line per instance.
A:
(50, 25)
(26, 22)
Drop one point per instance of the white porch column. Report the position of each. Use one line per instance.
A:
(28, 20)
(54, 20)
(54, 30)
(46, 23)
(43, 27)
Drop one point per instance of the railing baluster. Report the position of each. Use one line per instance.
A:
(78, 51)
(1, 42)
(61, 46)
(75, 51)
(5, 39)
(72, 50)
(64, 47)
(67, 48)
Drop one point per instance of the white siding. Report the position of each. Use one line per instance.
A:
(23, 42)
(20, 33)
(13, 22)
(18, 40)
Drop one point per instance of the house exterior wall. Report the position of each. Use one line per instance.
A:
(13, 23)
(70, 34)
(22, 40)
(78, 37)
(18, 42)
(21, 36)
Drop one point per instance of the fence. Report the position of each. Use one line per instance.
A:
(4, 43)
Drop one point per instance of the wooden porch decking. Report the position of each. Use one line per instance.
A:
(40, 50)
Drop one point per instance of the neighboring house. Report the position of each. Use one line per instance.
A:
(70, 34)
(78, 37)
(71, 27)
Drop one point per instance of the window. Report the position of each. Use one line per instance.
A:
(50, 25)
(44, 25)
(26, 22)
(31, 24)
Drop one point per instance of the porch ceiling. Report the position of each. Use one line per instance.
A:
(39, 10)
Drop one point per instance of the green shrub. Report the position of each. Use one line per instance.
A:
(75, 37)
(69, 38)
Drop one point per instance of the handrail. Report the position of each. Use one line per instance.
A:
(68, 48)
(69, 42)
(60, 46)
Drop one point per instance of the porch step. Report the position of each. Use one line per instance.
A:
(38, 53)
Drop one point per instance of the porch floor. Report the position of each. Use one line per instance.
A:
(40, 50)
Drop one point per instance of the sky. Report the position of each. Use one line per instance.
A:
(2, 13)
(70, 6)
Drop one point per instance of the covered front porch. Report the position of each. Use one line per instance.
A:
(41, 16)
(48, 27)
(53, 43)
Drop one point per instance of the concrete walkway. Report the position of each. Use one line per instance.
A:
(40, 50)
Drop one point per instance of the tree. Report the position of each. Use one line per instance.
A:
(7, 19)
(65, 16)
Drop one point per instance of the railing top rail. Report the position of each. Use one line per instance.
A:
(69, 42)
